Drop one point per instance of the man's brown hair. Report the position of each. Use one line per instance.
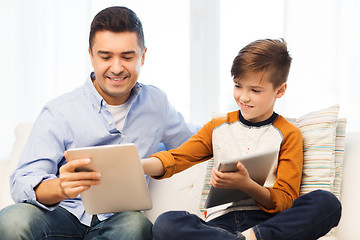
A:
(268, 56)
(117, 19)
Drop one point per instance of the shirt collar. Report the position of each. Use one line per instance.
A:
(97, 100)
(270, 120)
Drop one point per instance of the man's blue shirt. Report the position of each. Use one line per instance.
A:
(81, 119)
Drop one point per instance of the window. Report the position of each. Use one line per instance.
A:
(242, 22)
(191, 45)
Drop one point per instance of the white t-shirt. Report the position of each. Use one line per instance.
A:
(119, 112)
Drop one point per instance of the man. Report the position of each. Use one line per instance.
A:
(110, 108)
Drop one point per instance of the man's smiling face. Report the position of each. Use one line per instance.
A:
(117, 60)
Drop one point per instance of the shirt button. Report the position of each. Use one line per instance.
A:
(110, 122)
(123, 136)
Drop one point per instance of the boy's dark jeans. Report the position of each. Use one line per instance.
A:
(311, 216)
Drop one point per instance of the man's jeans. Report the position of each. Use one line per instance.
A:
(311, 216)
(26, 221)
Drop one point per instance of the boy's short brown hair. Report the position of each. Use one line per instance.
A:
(266, 55)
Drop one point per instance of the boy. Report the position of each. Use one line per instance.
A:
(260, 71)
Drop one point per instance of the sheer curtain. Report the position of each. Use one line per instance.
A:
(191, 45)
(44, 47)
(323, 38)
(45, 53)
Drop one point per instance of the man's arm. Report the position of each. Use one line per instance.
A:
(69, 184)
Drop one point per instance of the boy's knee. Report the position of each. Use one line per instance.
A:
(163, 226)
(168, 218)
(167, 223)
(330, 202)
(325, 202)
(326, 199)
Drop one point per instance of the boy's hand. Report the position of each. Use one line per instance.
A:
(242, 181)
(231, 180)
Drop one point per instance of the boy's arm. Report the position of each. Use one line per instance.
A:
(153, 166)
(197, 149)
(289, 172)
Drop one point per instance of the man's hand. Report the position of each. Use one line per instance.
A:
(69, 184)
(74, 182)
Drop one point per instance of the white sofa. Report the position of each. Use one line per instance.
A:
(182, 191)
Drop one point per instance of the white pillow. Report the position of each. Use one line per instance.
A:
(22, 132)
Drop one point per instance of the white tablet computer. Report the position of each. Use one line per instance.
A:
(258, 165)
(123, 185)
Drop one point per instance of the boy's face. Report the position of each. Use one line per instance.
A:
(117, 60)
(256, 97)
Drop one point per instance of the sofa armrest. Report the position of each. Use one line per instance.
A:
(22, 132)
(350, 190)
(4, 164)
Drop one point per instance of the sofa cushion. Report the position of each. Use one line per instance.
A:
(350, 189)
(319, 131)
(22, 132)
(322, 169)
(180, 192)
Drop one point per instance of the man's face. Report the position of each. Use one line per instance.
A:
(117, 60)
(256, 97)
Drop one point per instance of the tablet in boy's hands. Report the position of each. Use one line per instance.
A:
(123, 185)
(258, 165)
